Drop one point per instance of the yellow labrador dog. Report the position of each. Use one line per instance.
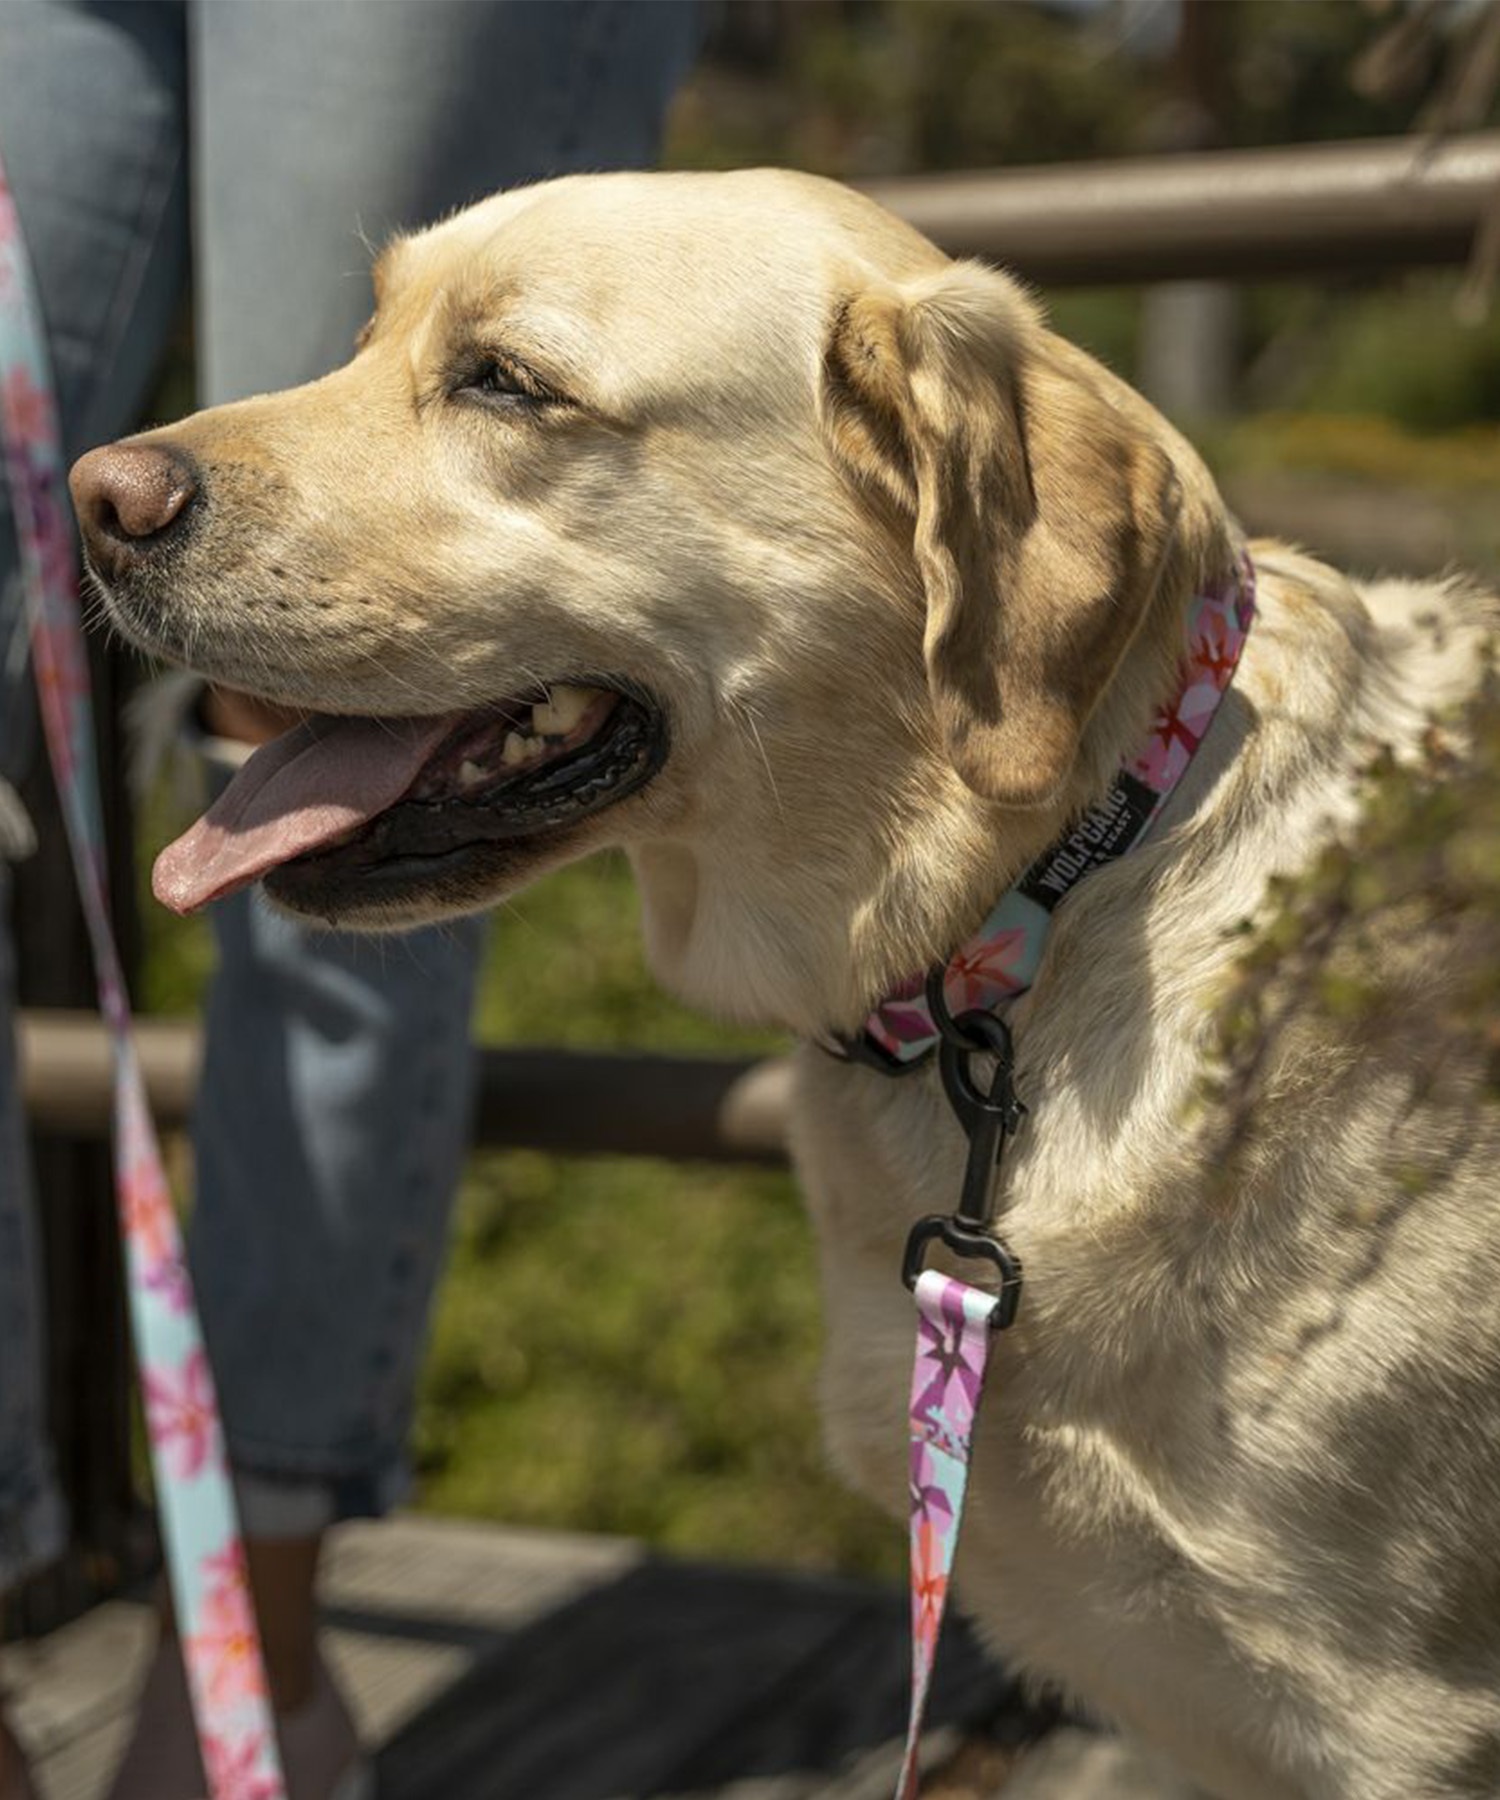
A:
(723, 518)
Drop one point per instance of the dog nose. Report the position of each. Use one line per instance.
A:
(128, 498)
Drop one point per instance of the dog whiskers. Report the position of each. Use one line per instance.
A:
(744, 716)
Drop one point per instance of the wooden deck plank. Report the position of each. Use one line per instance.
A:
(412, 1604)
(486, 1664)
(826, 1716)
(679, 1679)
(603, 1697)
(78, 1678)
(79, 1768)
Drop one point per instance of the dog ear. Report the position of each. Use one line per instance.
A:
(1041, 517)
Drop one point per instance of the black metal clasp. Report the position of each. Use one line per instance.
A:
(989, 1115)
(978, 1246)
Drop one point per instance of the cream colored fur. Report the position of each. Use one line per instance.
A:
(908, 574)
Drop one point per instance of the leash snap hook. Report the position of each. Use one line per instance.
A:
(992, 1114)
(989, 1116)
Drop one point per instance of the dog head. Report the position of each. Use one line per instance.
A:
(721, 517)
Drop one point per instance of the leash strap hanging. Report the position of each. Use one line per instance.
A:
(205, 1555)
(954, 1326)
(955, 1323)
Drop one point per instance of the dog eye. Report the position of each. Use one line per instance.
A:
(498, 381)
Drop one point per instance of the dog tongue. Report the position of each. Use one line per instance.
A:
(295, 794)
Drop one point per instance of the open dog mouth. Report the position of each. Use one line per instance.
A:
(349, 799)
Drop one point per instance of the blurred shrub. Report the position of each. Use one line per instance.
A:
(1391, 939)
(866, 87)
(1364, 445)
(915, 84)
(1402, 351)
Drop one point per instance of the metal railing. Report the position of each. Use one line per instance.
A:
(578, 1102)
(1311, 209)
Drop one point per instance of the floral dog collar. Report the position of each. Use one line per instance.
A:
(1000, 961)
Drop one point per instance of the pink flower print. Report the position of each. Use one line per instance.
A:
(930, 1500)
(147, 1219)
(944, 1434)
(984, 971)
(1169, 752)
(26, 408)
(180, 1415)
(57, 696)
(169, 1278)
(902, 1022)
(226, 1577)
(226, 1569)
(946, 1386)
(44, 520)
(901, 1017)
(929, 1580)
(234, 1771)
(912, 988)
(1216, 652)
(1216, 644)
(225, 1645)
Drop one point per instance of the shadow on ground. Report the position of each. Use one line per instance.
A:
(685, 1679)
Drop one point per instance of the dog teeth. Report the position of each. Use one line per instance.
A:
(514, 752)
(471, 774)
(561, 711)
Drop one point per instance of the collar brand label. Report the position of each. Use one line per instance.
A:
(1100, 836)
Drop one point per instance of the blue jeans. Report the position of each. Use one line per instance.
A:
(334, 1107)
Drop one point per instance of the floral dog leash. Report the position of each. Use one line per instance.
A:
(955, 1321)
(205, 1555)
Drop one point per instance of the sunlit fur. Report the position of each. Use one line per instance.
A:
(908, 574)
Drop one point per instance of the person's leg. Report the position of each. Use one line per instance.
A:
(92, 141)
(321, 129)
(332, 1122)
(333, 1113)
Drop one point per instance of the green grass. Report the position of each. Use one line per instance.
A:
(632, 1348)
